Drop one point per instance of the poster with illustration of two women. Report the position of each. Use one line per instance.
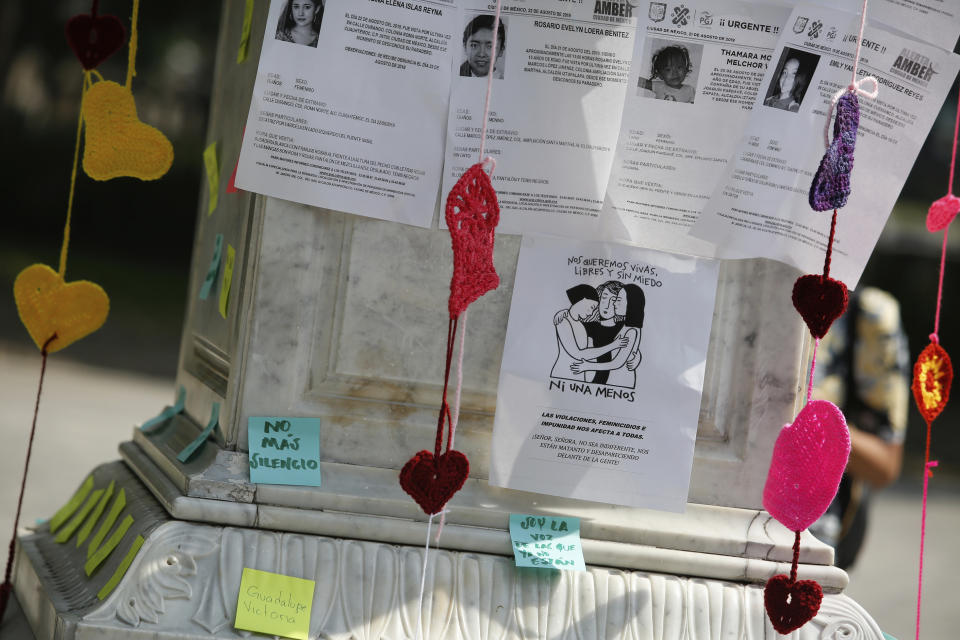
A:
(602, 372)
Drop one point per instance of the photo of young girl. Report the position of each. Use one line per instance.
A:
(300, 22)
(673, 71)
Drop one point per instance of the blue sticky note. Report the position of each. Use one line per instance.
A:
(213, 269)
(191, 448)
(546, 542)
(154, 422)
(284, 451)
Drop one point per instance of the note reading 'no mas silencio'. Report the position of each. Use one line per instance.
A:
(284, 451)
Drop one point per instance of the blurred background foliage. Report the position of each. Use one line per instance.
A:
(134, 238)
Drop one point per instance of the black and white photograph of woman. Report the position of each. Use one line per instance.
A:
(300, 22)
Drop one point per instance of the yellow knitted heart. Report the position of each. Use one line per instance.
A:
(48, 306)
(117, 143)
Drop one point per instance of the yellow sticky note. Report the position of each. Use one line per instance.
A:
(213, 175)
(245, 34)
(227, 280)
(274, 604)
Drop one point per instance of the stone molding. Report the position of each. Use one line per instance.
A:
(184, 584)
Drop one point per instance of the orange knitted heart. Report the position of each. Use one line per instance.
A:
(48, 306)
(117, 143)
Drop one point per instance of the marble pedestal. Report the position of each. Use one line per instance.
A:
(342, 318)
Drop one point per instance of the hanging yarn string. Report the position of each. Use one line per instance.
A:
(472, 214)
(810, 454)
(933, 370)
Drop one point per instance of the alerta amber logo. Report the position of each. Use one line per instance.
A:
(911, 65)
(605, 10)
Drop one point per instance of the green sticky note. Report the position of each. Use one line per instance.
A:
(121, 570)
(211, 278)
(95, 514)
(72, 505)
(107, 547)
(169, 412)
(546, 541)
(118, 504)
(213, 175)
(274, 604)
(284, 451)
(191, 448)
(227, 280)
(245, 32)
(78, 519)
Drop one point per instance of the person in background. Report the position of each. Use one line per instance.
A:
(478, 48)
(300, 22)
(863, 367)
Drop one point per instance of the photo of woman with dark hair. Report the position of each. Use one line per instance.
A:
(478, 53)
(300, 22)
(791, 80)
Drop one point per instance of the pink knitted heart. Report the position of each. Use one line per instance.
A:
(808, 461)
(942, 212)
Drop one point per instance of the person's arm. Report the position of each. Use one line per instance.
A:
(569, 343)
(873, 459)
(617, 362)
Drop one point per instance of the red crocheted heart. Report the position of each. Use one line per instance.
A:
(819, 301)
(790, 605)
(94, 38)
(942, 212)
(472, 214)
(431, 482)
(932, 377)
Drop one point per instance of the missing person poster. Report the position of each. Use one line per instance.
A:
(695, 77)
(560, 72)
(350, 104)
(760, 208)
(602, 373)
(933, 21)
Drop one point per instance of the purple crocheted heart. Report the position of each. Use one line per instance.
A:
(831, 184)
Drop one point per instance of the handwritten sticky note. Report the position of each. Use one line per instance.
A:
(213, 269)
(546, 541)
(227, 280)
(245, 32)
(284, 451)
(213, 175)
(274, 604)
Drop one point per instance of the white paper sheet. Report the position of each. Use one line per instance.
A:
(555, 111)
(354, 121)
(760, 208)
(672, 153)
(624, 435)
(933, 21)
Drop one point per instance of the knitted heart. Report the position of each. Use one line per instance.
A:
(790, 605)
(819, 300)
(48, 306)
(117, 143)
(831, 183)
(808, 461)
(472, 214)
(932, 377)
(942, 212)
(94, 38)
(431, 482)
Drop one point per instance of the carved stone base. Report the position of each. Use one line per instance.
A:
(184, 584)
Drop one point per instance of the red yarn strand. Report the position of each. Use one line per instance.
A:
(953, 157)
(796, 557)
(935, 336)
(444, 415)
(927, 464)
(7, 586)
(829, 256)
